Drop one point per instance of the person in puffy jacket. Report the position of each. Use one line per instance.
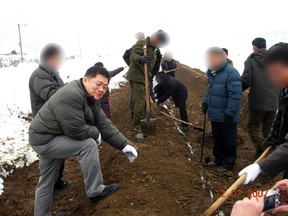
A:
(222, 103)
(104, 103)
(44, 82)
(71, 123)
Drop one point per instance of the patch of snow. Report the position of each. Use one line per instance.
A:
(211, 194)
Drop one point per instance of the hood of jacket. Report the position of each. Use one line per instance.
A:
(258, 56)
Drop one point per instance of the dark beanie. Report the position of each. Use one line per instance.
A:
(277, 53)
(99, 64)
(259, 42)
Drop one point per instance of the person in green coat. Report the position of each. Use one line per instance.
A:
(136, 75)
(71, 123)
(230, 62)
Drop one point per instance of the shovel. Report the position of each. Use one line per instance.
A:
(193, 126)
(148, 125)
(172, 70)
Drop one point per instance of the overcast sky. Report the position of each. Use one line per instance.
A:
(107, 27)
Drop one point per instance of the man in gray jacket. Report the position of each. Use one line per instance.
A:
(71, 124)
(263, 96)
(43, 83)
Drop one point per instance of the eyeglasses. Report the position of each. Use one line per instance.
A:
(99, 85)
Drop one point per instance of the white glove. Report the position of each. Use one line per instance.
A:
(130, 152)
(252, 172)
(99, 139)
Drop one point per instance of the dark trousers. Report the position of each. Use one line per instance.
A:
(259, 126)
(183, 112)
(60, 176)
(225, 149)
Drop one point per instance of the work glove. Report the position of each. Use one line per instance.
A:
(252, 172)
(228, 120)
(99, 139)
(144, 59)
(204, 108)
(130, 152)
(1, 186)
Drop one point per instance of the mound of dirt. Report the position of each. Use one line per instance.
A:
(166, 179)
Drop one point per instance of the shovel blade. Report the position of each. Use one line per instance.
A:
(148, 126)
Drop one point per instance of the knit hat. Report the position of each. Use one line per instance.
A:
(277, 53)
(259, 42)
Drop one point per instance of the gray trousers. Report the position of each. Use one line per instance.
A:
(51, 157)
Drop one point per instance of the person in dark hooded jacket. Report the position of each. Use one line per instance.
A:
(263, 96)
(276, 64)
(104, 103)
(169, 86)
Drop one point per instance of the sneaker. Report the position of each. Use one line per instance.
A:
(222, 169)
(61, 185)
(184, 128)
(140, 137)
(211, 164)
(108, 190)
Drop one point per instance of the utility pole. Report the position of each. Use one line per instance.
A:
(20, 41)
(80, 51)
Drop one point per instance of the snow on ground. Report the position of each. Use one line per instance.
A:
(15, 150)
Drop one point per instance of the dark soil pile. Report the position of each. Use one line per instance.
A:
(166, 179)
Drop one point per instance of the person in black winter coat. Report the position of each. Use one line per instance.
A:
(168, 64)
(170, 87)
(44, 82)
(104, 104)
(263, 96)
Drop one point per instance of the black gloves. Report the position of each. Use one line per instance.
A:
(144, 59)
(228, 120)
(204, 108)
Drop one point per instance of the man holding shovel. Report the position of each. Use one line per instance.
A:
(136, 74)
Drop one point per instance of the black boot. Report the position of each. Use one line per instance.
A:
(108, 190)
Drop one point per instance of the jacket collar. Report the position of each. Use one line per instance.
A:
(148, 43)
(48, 69)
(221, 68)
(89, 98)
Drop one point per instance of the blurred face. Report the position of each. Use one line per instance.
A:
(278, 73)
(214, 61)
(97, 86)
(55, 62)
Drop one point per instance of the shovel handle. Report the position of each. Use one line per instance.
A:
(168, 71)
(179, 120)
(146, 85)
(220, 201)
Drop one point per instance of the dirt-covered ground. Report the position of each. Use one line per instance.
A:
(166, 179)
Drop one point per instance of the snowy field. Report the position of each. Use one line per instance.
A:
(15, 151)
